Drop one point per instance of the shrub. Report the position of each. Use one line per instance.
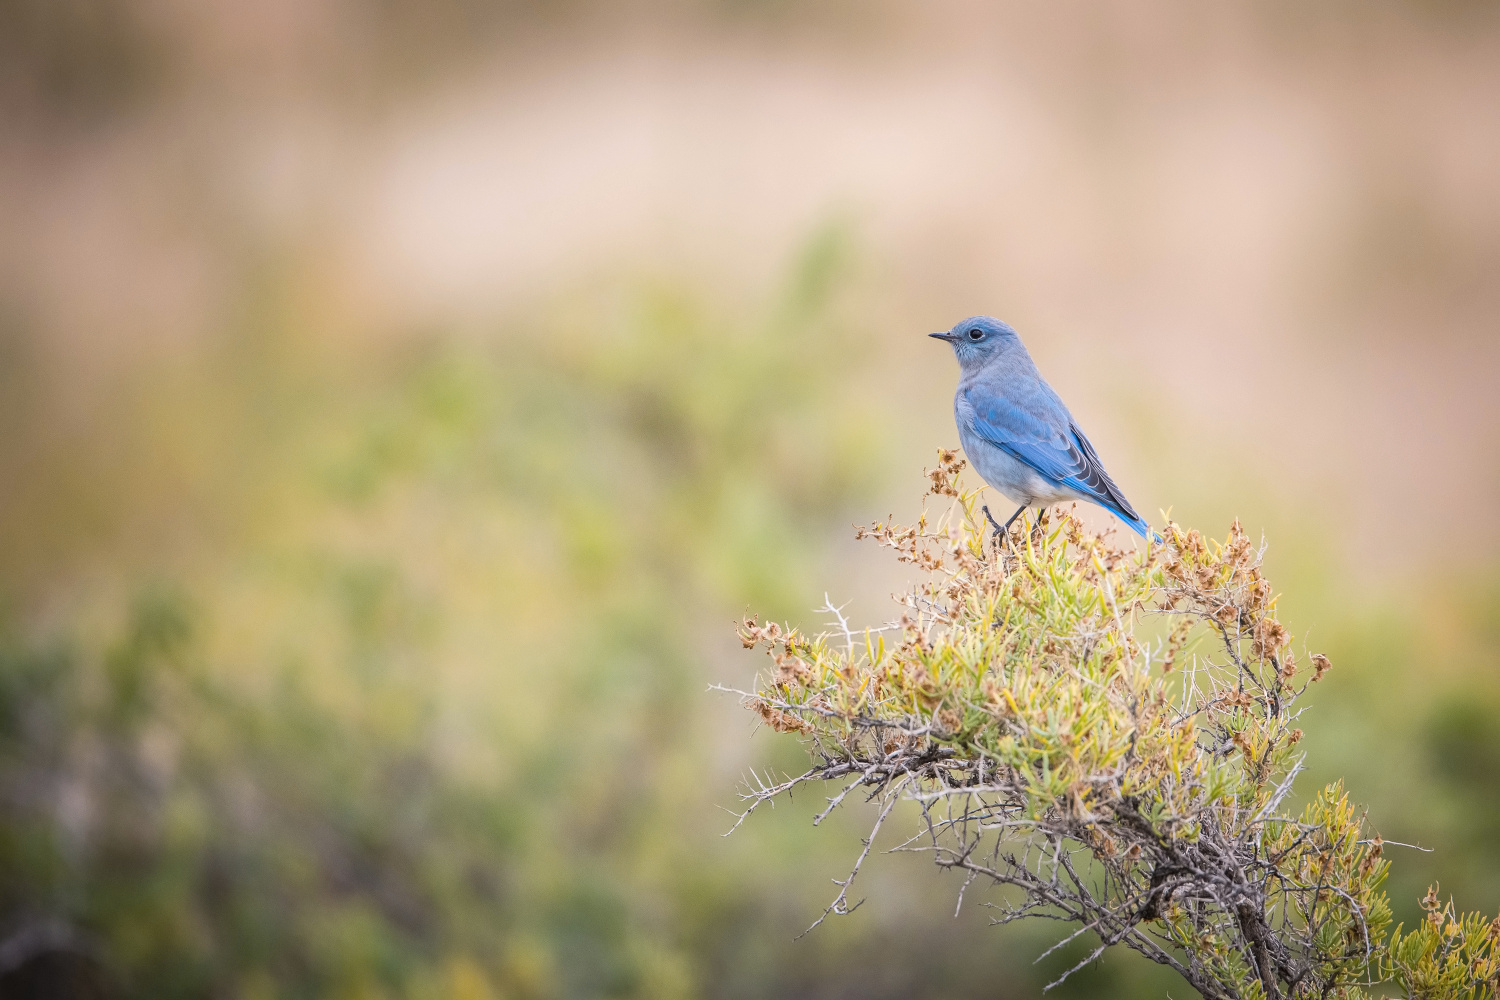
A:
(1112, 735)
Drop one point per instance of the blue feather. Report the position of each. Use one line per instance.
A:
(1050, 443)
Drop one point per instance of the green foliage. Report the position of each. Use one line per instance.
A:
(1446, 955)
(1131, 783)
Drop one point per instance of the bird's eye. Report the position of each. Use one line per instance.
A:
(976, 334)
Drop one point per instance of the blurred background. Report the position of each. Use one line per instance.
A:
(400, 398)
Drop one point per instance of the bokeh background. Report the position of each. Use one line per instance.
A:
(400, 398)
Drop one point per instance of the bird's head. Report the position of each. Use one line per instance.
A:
(980, 338)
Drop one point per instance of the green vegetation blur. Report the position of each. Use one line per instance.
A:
(409, 706)
(353, 645)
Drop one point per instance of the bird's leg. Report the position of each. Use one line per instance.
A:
(1002, 529)
(1002, 532)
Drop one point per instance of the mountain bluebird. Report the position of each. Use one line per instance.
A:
(1017, 432)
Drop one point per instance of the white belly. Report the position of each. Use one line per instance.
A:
(1016, 480)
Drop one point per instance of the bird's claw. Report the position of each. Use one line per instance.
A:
(997, 531)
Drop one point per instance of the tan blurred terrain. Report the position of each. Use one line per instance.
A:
(490, 357)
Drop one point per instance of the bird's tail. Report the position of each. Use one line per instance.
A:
(1138, 525)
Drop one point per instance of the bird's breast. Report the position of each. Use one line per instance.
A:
(1016, 480)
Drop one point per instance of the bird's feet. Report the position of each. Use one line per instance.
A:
(998, 531)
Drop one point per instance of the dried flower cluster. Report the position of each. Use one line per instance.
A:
(1110, 732)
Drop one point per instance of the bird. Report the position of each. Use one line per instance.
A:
(1017, 431)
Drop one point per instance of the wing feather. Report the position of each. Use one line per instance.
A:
(1055, 448)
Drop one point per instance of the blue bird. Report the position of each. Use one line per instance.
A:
(1017, 432)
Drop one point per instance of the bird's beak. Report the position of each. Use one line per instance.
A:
(945, 335)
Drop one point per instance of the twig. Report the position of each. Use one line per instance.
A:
(840, 905)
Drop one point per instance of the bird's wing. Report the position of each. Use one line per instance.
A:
(1045, 437)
